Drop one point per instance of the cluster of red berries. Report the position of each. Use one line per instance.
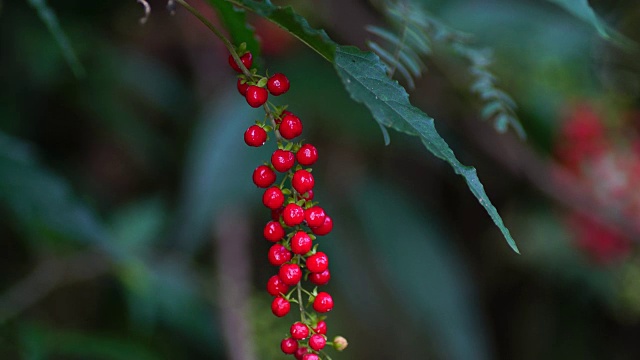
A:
(296, 220)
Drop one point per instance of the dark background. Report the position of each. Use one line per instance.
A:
(130, 227)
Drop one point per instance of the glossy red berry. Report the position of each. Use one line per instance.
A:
(278, 255)
(242, 87)
(280, 306)
(246, 59)
(308, 196)
(273, 231)
(311, 356)
(263, 176)
(307, 155)
(317, 262)
(302, 181)
(273, 198)
(301, 243)
(255, 136)
(290, 274)
(301, 352)
(317, 342)
(320, 278)
(289, 346)
(323, 302)
(299, 331)
(314, 216)
(278, 84)
(293, 215)
(325, 228)
(256, 96)
(290, 127)
(282, 160)
(320, 328)
(275, 286)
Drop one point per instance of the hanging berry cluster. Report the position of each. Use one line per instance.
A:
(296, 220)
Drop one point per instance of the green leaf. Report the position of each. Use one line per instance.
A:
(365, 78)
(50, 19)
(208, 185)
(583, 11)
(296, 25)
(235, 21)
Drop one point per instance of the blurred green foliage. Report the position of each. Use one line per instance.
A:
(136, 160)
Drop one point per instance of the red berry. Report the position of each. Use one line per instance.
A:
(307, 155)
(301, 352)
(256, 96)
(255, 136)
(242, 87)
(289, 346)
(263, 176)
(311, 356)
(325, 228)
(246, 59)
(290, 127)
(278, 84)
(280, 306)
(321, 328)
(317, 342)
(301, 243)
(302, 181)
(275, 286)
(293, 215)
(278, 255)
(308, 196)
(314, 216)
(323, 302)
(290, 274)
(282, 160)
(273, 198)
(318, 262)
(273, 231)
(320, 278)
(299, 331)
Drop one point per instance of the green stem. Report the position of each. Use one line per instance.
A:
(234, 54)
(302, 317)
(218, 34)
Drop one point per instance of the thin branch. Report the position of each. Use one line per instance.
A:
(48, 275)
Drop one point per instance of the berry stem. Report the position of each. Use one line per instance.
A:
(234, 54)
(218, 34)
(300, 303)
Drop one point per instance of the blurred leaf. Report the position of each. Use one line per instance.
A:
(51, 20)
(150, 79)
(285, 17)
(424, 272)
(43, 203)
(550, 252)
(364, 76)
(168, 293)
(583, 11)
(217, 167)
(236, 23)
(136, 226)
(44, 343)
